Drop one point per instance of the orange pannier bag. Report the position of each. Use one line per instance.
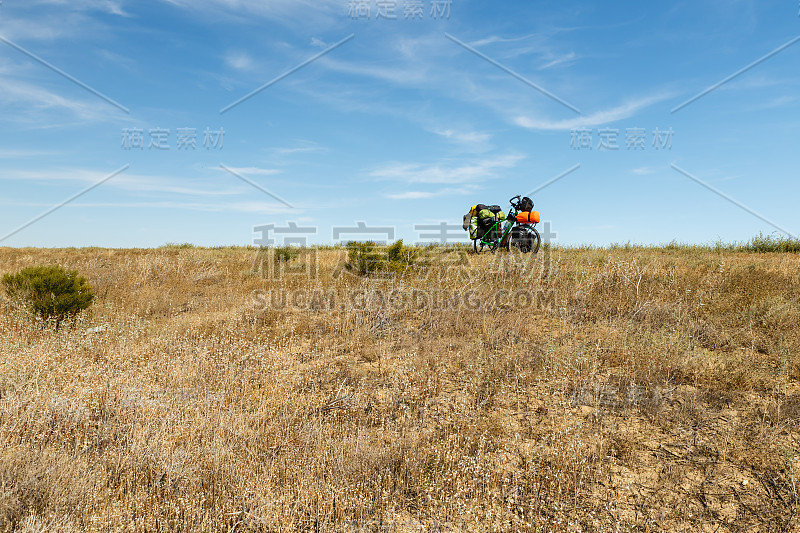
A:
(528, 217)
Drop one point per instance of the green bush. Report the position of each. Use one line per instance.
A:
(770, 243)
(49, 292)
(400, 258)
(364, 258)
(368, 258)
(178, 246)
(284, 254)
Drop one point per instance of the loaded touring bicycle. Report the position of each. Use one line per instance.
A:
(489, 228)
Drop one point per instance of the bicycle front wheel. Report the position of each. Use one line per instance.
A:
(526, 239)
(536, 240)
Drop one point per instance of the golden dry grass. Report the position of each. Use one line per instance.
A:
(602, 390)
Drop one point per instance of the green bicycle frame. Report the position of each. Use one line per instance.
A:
(492, 244)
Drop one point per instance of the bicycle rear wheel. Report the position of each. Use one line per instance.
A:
(487, 238)
(480, 246)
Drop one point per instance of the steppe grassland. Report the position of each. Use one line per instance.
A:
(638, 389)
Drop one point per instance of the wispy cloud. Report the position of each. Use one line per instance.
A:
(464, 136)
(47, 20)
(424, 195)
(405, 74)
(470, 173)
(286, 11)
(242, 207)
(497, 39)
(141, 183)
(45, 29)
(534, 44)
(561, 60)
(137, 183)
(774, 103)
(13, 153)
(411, 195)
(643, 171)
(31, 102)
(427, 62)
(607, 116)
(300, 150)
(239, 60)
(113, 7)
(254, 171)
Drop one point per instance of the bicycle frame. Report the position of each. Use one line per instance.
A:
(494, 244)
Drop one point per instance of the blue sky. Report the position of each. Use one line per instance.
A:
(408, 121)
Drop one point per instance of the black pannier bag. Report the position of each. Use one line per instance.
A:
(526, 204)
(486, 220)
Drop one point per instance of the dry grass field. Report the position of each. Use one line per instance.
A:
(622, 389)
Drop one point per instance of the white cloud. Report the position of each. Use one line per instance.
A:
(470, 173)
(239, 60)
(140, 183)
(113, 7)
(126, 181)
(428, 62)
(242, 207)
(296, 11)
(497, 39)
(566, 58)
(407, 75)
(29, 101)
(48, 20)
(774, 103)
(13, 153)
(411, 195)
(643, 171)
(424, 195)
(537, 44)
(300, 150)
(46, 29)
(409, 61)
(607, 116)
(253, 171)
(467, 137)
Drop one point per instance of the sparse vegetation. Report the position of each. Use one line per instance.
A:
(656, 389)
(772, 244)
(286, 253)
(366, 258)
(178, 246)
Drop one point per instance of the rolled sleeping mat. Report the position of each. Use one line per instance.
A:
(528, 217)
